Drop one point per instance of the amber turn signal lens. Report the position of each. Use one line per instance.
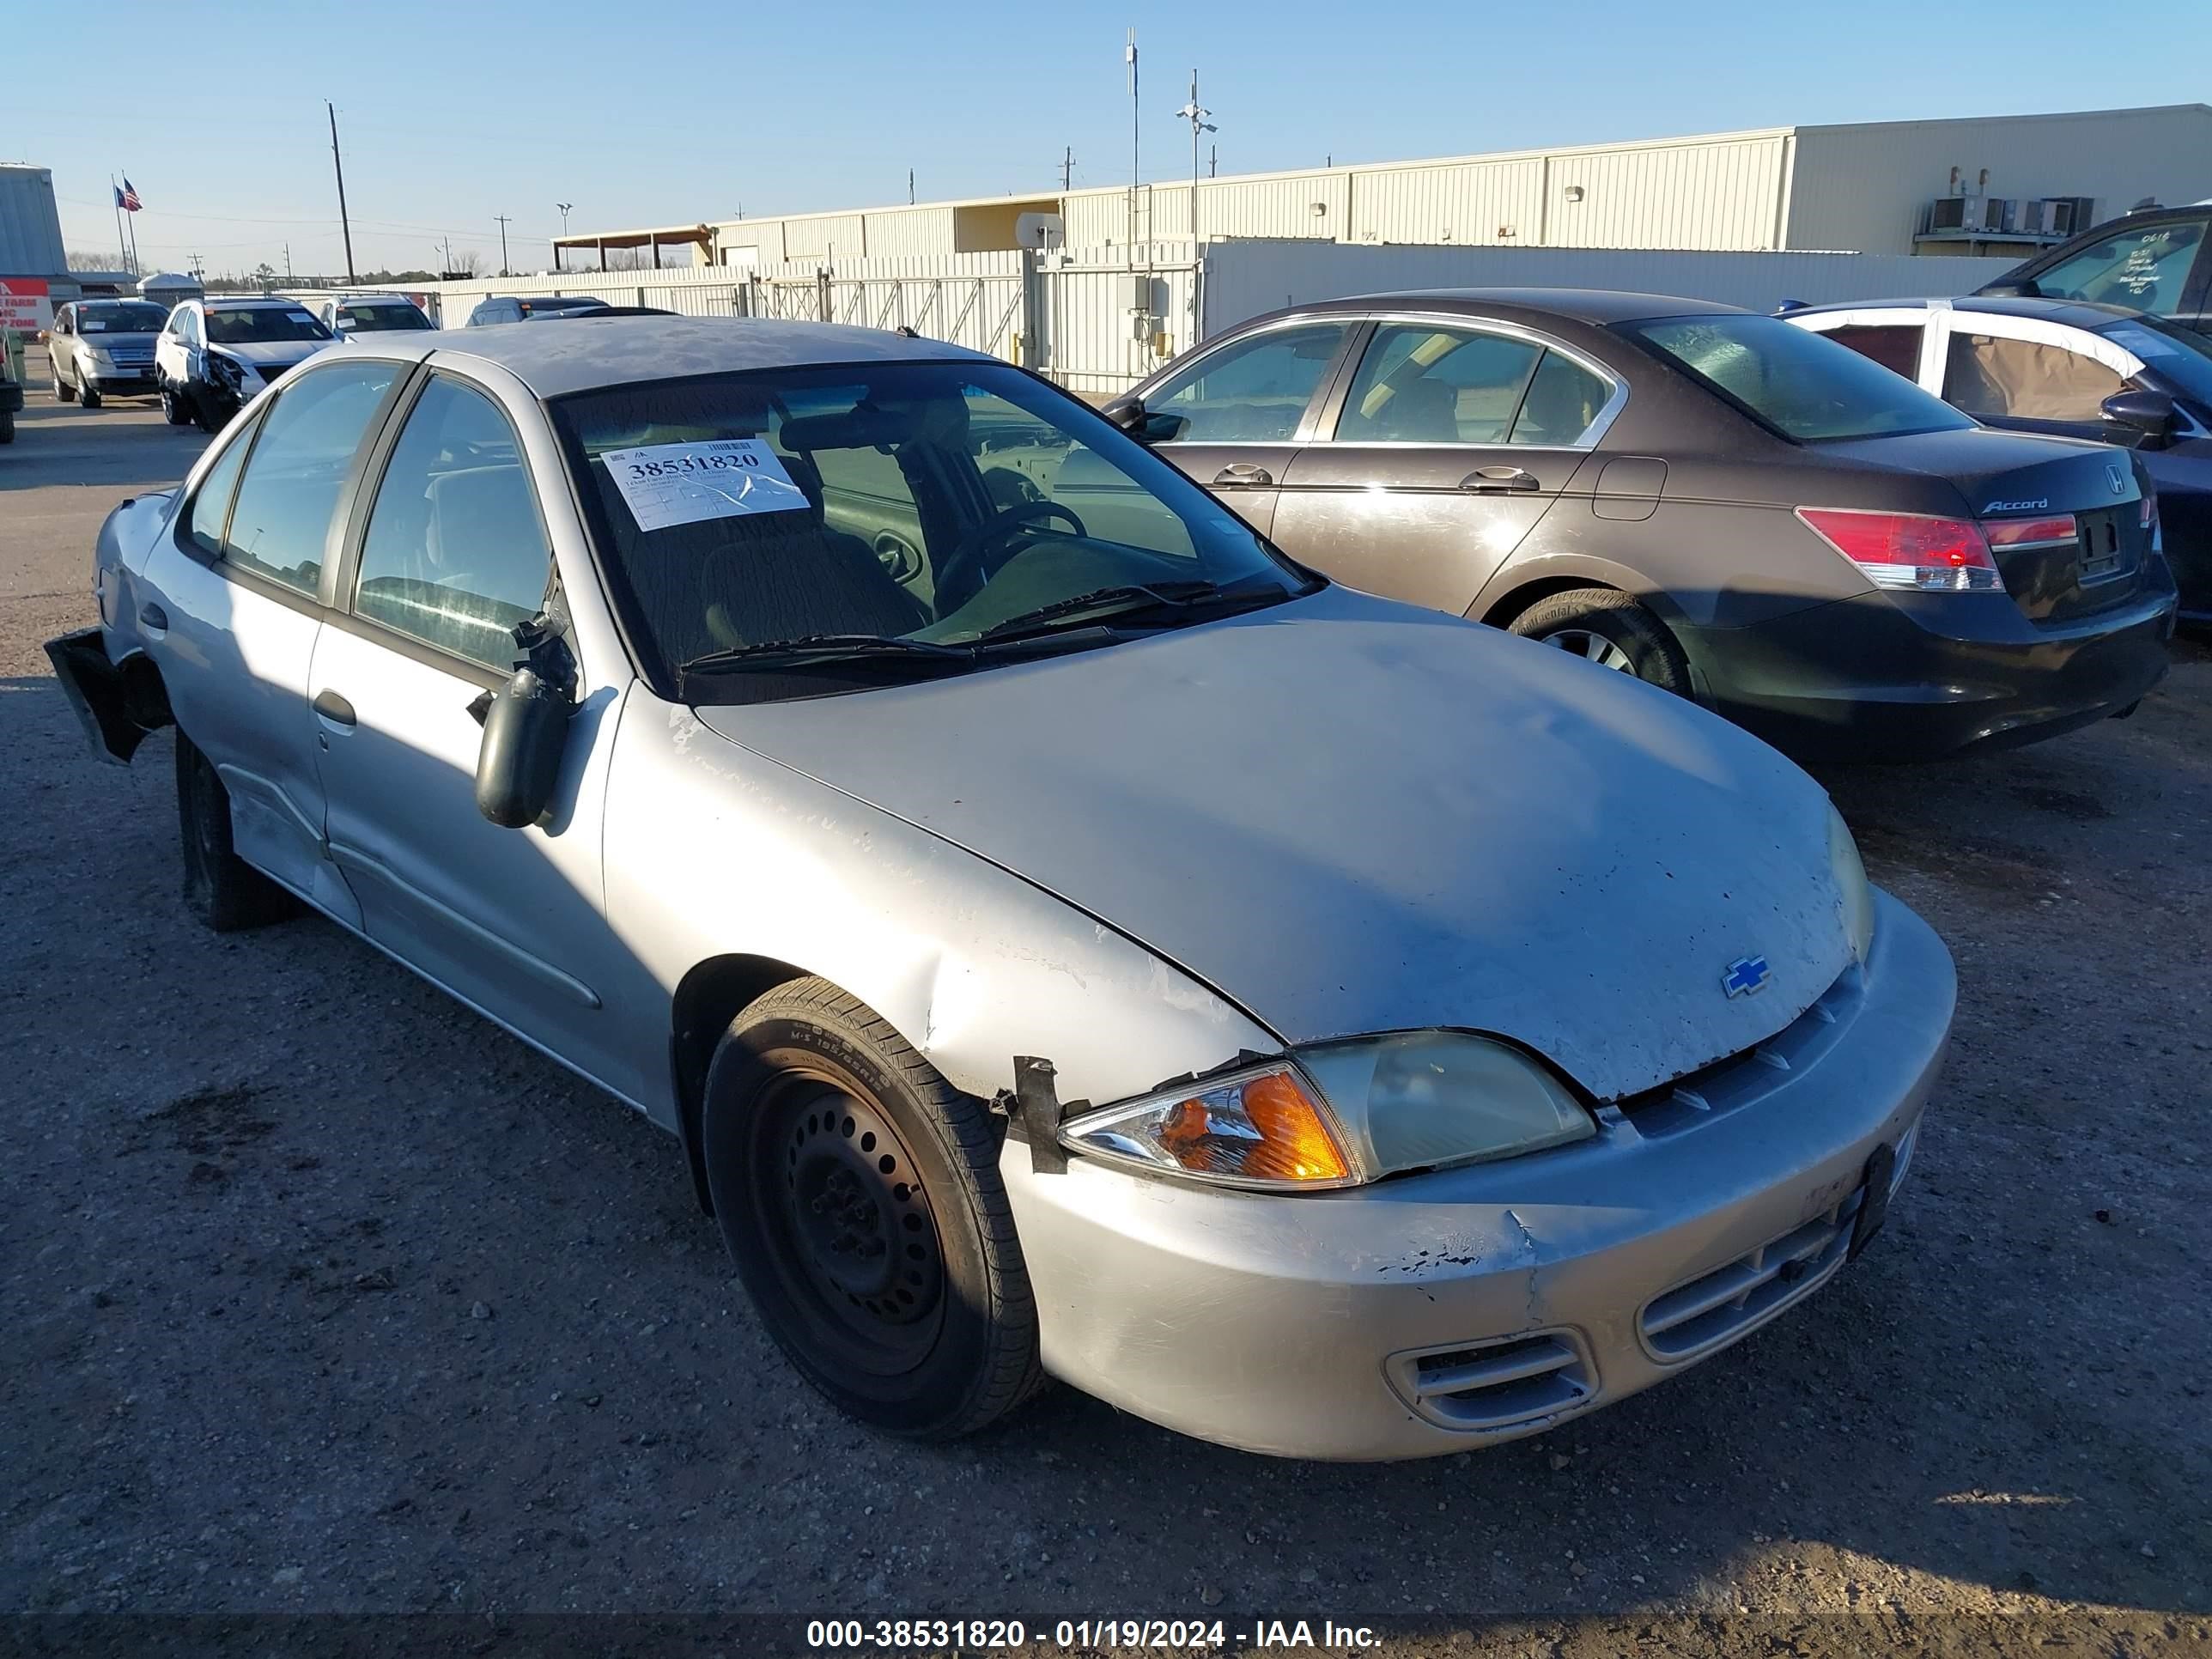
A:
(1266, 1128)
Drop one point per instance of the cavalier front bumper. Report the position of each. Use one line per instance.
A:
(1435, 1313)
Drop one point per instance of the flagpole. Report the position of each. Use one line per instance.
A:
(115, 195)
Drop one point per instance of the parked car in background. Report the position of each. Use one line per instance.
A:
(2155, 259)
(2074, 369)
(1263, 907)
(102, 349)
(1716, 502)
(216, 354)
(509, 308)
(349, 314)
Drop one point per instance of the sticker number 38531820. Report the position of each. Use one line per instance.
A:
(668, 484)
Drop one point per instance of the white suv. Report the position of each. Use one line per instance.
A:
(216, 354)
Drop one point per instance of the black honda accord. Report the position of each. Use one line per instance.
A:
(1723, 505)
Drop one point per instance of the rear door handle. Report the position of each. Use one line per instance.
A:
(152, 615)
(1495, 480)
(1245, 475)
(333, 707)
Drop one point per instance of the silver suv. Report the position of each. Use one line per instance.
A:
(104, 349)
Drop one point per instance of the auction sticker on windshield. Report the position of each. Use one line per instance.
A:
(667, 485)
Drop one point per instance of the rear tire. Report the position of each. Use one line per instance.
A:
(223, 892)
(1609, 628)
(860, 1196)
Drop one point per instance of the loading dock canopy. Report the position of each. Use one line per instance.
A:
(658, 237)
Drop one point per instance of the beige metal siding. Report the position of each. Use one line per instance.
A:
(1096, 218)
(900, 232)
(1862, 188)
(1243, 279)
(1718, 194)
(822, 236)
(1467, 203)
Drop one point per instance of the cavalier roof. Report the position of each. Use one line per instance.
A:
(581, 354)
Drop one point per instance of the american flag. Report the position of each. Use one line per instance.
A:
(127, 198)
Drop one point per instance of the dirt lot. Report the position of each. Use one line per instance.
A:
(320, 1294)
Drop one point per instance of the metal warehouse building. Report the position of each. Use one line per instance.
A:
(2000, 184)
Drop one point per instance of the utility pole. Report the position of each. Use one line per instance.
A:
(1136, 138)
(502, 218)
(1196, 116)
(909, 187)
(337, 163)
(1068, 168)
(1212, 159)
(288, 263)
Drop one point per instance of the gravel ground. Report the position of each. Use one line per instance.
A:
(318, 1295)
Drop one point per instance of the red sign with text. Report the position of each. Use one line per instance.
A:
(24, 306)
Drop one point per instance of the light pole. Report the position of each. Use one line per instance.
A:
(564, 207)
(1196, 116)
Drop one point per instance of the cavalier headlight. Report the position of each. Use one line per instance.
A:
(1851, 881)
(1420, 1098)
(1342, 1114)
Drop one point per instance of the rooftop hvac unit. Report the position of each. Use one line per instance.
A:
(1972, 215)
(2058, 216)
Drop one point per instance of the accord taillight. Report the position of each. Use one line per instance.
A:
(1917, 550)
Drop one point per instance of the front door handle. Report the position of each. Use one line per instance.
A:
(333, 707)
(1244, 475)
(152, 615)
(1496, 480)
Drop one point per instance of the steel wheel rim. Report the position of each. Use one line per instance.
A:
(854, 1239)
(1591, 646)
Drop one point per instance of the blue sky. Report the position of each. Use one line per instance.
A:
(670, 112)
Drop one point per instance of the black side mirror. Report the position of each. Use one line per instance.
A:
(1129, 414)
(526, 731)
(2020, 288)
(2141, 415)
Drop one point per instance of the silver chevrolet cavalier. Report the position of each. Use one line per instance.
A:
(1067, 937)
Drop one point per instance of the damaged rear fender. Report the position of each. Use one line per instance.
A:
(117, 704)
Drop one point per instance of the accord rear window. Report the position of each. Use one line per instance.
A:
(1793, 381)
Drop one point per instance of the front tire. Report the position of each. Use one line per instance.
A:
(860, 1196)
(223, 892)
(1607, 627)
(172, 407)
(205, 414)
(88, 394)
(8, 427)
(63, 391)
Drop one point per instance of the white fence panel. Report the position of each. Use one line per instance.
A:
(1243, 279)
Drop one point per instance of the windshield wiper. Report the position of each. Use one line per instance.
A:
(822, 647)
(1126, 598)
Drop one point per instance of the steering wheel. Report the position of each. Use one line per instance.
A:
(965, 571)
